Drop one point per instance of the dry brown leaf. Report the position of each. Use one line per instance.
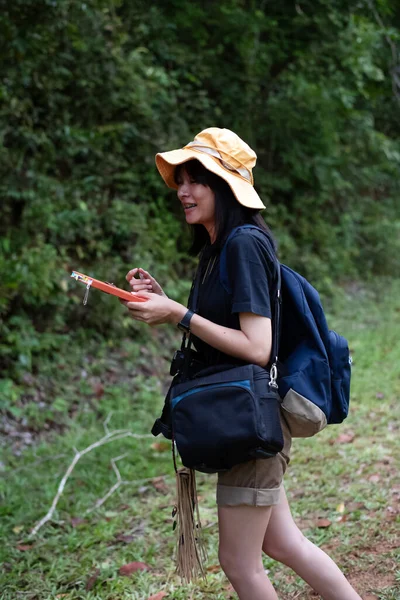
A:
(98, 389)
(214, 569)
(158, 596)
(231, 591)
(345, 438)
(121, 537)
(161, 446)
(391, 513)
(132, 567)
(160, 485)
(352, 506)
(341, 519)
(323, 523)
(75, 521)
(24, 547)
(92, 580)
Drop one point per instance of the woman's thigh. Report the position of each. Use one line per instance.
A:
(241, 533)
(282, 536)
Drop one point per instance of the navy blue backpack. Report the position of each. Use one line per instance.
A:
(314, 365)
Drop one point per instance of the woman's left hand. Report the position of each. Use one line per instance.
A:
(156, 310)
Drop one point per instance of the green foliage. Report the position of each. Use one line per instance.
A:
(90, 91)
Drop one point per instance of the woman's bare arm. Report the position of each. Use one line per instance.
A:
(252, 342)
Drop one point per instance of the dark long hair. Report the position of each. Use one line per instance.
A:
(228, 212)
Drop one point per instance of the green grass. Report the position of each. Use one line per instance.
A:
(135, 523)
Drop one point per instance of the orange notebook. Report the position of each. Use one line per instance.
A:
(109, 288)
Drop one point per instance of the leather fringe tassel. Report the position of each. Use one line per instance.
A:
(190, 547)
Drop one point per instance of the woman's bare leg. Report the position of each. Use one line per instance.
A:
(241, 534)
(284, 542)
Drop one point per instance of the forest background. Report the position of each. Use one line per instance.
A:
(89, 92)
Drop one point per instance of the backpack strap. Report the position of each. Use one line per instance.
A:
(277, 300)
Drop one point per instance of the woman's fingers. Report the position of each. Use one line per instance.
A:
(140, 280)
(141, 287)
(145, 276)
(131, 274)
(156, 287)
(140, 284)
(138, 275)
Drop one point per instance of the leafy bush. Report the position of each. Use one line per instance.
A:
(91, 91)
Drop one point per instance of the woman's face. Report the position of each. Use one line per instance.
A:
(198, 202)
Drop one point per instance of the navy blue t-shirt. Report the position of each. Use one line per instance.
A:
(251, 277)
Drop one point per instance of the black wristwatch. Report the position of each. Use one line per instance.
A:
(184, 325)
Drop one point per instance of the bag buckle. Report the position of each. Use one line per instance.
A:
(273, 374)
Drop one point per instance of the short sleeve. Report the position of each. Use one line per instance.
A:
(249, 273)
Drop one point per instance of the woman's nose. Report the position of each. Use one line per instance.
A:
(183, 190)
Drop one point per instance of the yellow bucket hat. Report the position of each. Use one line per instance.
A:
(222, 152)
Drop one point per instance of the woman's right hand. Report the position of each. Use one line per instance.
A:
(146, 283)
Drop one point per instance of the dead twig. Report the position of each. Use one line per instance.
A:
(118, 483)
(113, 488)
(109, 437)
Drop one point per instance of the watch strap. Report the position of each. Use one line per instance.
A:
(184, 324)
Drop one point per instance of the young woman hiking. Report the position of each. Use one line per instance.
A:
(214, 183)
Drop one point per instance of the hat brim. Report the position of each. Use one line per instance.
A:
(243, 190)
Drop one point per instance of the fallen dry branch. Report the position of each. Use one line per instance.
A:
(120, 482)
(109, 437)
(113, 488)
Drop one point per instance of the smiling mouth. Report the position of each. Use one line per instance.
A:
(187, 206)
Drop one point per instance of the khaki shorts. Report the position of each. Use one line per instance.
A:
(257, 482)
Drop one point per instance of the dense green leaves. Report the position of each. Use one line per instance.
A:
(90, 91)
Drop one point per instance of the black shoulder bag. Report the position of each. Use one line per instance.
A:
(223, 415)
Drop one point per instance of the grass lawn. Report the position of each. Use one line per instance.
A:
(343, 485)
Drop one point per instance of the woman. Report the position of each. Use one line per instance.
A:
(214, 182)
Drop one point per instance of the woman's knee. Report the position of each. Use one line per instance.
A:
(236, 566)
(228, 561)
(285, 548)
